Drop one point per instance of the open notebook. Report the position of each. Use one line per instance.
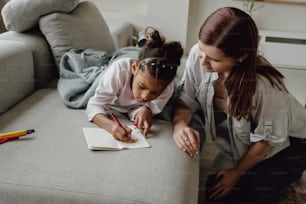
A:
(100, 139)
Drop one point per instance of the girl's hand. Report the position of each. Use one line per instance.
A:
(144, 119)
(121, 133)
(225, 181)
(188, 140)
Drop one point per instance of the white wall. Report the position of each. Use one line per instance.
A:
(272, 16)
(181, 19)
(170, 17)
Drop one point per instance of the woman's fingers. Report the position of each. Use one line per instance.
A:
(187, 140)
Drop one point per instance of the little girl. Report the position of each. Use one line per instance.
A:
(140, 88)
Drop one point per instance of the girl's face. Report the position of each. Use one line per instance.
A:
(144, 86)
(213, 59)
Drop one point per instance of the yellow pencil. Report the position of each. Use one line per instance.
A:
(15, 134)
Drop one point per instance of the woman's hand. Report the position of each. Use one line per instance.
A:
(187, 139)
(225, 181)
(144, 119)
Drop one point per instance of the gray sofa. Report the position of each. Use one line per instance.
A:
(54, 165)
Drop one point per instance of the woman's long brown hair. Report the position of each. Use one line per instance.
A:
(235, 33)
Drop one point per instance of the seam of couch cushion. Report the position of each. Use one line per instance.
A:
(114, 198)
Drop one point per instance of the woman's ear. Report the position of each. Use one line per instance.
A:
(243, 57)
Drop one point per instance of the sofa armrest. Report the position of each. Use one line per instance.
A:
(16, 73)
(44, 67)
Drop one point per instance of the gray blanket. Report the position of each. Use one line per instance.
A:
(80, 71)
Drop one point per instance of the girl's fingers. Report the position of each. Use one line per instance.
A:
(144, 125)
(123, 134)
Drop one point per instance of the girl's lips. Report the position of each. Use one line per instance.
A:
(140, 100)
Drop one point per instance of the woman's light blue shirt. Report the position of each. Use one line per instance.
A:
(275, 114)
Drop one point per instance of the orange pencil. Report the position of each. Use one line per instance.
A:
(15, 134)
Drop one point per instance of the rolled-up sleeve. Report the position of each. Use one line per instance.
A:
(271, 116)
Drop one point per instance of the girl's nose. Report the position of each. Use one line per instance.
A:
(146, 95)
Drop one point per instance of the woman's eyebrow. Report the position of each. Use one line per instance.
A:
(208, 55)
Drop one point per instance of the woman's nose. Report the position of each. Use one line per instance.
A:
(203, 59)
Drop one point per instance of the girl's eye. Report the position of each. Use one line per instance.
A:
(155, 94)
(142, 87)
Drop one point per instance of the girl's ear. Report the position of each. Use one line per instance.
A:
(134, 67)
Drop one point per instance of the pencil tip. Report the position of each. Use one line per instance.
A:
(30, 131)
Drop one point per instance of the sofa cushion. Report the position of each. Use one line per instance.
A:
(21, 15)
(83, 28)
(17, 73)
(44, 67)
(54, 165)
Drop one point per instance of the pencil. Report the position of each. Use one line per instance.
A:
(15, 134)
(116, 120)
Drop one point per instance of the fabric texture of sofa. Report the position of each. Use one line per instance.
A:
(54, 165)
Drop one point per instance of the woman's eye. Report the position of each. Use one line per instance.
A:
(214, 60)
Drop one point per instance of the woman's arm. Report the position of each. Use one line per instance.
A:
(256, 153)
(185, 137)
(227, 178)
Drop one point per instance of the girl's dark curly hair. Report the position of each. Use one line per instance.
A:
(160, 58)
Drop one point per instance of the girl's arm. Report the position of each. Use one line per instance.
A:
(185, 137)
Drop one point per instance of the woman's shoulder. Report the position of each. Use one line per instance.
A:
(192, 56)
(265, 90)
(194, 50)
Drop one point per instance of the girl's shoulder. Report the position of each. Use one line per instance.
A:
(123, 62)
(121, 65)
(119, 68)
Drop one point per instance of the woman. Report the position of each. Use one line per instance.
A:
(257, 125)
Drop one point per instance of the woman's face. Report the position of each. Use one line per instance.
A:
(144, 86)
(213, 59)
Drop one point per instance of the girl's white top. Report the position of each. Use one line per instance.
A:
(114, 93)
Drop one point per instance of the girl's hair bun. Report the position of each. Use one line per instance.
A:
(154, 39)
